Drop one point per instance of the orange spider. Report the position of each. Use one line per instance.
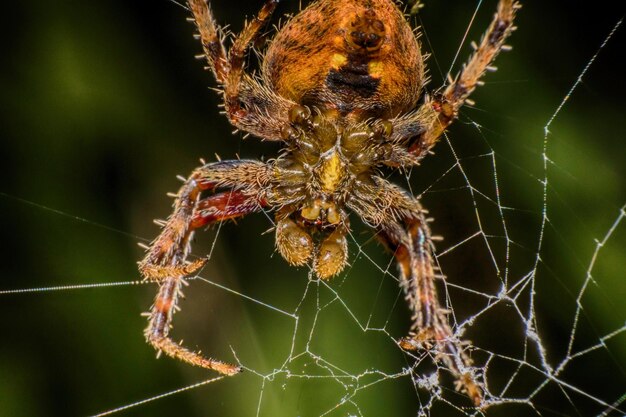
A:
(340, 85)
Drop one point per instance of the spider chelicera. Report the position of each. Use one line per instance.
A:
(341, 87)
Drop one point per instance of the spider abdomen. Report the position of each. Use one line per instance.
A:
(363, 62)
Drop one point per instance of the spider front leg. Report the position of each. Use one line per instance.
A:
(165, 262)
(401, 225)
(237, 53)
(423, 127)
(227, 70)
(249, 105)
(210, 36)
(411, 244)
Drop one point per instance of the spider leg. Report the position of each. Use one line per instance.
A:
(423, 127)
(402, 226)
(249, 105)
(225, 206)
(210, 37)
(412, 247)
(165, 261)
(237, 53)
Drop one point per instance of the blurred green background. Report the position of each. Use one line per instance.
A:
(103, 104)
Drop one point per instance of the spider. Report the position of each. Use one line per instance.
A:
(341, 86)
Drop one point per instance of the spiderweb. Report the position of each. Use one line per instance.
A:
(531, 215)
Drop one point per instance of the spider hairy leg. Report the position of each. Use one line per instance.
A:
(430, 331)
(165, 260)
(249, 105)
(225, 206)
(227, 68)
(456, 94)
(247, 175)
(210, 37)
(160, 321)
(402, 227)
(237, 53)
(424, 126)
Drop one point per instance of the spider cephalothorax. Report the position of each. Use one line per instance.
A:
(340, 87)
(325, 170)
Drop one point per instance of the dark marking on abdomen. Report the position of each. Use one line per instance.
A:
(352, 80)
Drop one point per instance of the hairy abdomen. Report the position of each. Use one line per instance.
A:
(348, 57)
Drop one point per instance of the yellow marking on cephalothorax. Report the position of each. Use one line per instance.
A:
(337, 61)
(375, 69)
(331, 172)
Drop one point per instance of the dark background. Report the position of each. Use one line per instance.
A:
(103, 104)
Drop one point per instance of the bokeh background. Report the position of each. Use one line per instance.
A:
(103, 104)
